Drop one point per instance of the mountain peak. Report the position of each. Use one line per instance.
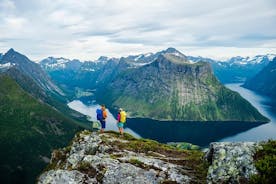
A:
(171, 50)
(14, 56)
(102, 58)
(174, 52)
(10, 51)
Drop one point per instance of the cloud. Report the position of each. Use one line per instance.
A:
(87, 29)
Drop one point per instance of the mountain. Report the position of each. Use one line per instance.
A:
(30, 69)
(52, 63)
(265, 81)
(237, 69)
(240, 69)
(61, 70)
(146, 80)
(174, 88)
(35, 81)
(30, 129)
(92, 74)
(142, 59)
(85, 75)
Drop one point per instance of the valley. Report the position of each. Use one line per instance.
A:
(177, 97)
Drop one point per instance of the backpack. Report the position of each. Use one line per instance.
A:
(122, 116)
(104, 114)
(99, 113)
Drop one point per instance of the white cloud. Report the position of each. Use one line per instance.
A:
(7, 5)
(87, 29)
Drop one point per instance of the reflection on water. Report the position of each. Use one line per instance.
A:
(263, 132)
(200, 133)
(90, 110)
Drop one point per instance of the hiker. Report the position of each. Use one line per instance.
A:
(121, 120)
(101, 116)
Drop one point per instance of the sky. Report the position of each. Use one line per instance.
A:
(87, 29)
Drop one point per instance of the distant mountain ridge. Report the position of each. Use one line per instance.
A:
(232, 70)
(265, 81)
(237, 69)
(52, 63)
(95, 73)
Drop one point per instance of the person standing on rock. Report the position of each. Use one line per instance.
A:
(121, 120)
(101, 116)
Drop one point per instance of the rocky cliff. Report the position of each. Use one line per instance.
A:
(108, 158)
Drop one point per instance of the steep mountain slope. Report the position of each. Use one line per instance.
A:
(173, 88)
(265, 81)
(35, 81)
(29, 130)
(30, 69)
(237, 69)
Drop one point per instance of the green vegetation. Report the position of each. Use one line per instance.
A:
(53, 99)
(192, 159)
(184, 146)
(138, 163)
(29, 131)
(265, 162)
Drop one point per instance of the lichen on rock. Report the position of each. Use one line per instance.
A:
(231, 162)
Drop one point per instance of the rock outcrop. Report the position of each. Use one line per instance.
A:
(109, 158)
(231, 162)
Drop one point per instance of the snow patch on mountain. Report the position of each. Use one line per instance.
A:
(7, 65)
(271, 56)
(148, 54)
(52, 62)
(138, 57)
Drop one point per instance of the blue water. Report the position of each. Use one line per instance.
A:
(265, 106)
(200, 133)
(89, 109)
